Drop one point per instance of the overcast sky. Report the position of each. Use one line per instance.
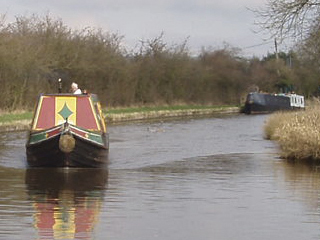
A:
(205, 23)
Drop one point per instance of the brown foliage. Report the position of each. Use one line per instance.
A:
(35, 52)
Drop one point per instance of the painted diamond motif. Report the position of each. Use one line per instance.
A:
(65, 112)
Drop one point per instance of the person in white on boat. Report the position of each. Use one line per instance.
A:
(75, 89)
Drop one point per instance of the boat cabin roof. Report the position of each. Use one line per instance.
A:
(83, 111)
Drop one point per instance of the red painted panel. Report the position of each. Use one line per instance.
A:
(53, 132)
(46, 117)
(76, 131)
(85, 115)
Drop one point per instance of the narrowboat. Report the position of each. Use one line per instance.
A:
(67, 130)
(266, 103)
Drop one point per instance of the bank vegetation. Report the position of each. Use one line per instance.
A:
(35, 51)
(297, 133)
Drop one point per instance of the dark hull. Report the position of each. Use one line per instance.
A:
(76, 180)
(266, 103)
(85, 154)
(258, 108)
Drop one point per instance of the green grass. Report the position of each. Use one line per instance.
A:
(7, 117)
(22, 119)
(12, 117)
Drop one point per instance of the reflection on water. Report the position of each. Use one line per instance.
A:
(302, 181)
(67, 202)
(214, 178)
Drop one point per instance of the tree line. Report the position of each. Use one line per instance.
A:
(36, 51)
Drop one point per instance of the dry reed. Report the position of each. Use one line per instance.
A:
(298, 133)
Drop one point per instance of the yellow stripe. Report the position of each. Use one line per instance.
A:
(94, 114)
(103, 121)
(35, 120)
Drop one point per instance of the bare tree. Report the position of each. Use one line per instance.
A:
(288, 18)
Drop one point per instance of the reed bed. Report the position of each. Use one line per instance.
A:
(298, 133)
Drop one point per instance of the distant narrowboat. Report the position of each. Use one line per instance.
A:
(67, 131)
(265, 103)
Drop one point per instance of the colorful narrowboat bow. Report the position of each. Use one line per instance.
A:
(68, 131)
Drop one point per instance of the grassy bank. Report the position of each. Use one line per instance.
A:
(17, 120)
(298, 133)
(139, 113)
(21, 120)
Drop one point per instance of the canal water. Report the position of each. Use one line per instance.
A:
(209, 178)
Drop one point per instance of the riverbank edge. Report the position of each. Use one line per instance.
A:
(20, 125)
(296, 133)
(136, 116)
